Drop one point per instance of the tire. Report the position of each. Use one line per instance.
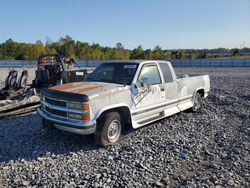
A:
(197, 103)
(109, 129)
(48, 126)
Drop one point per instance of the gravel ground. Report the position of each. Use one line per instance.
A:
(209, 148)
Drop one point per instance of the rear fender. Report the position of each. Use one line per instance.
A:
(196, 91)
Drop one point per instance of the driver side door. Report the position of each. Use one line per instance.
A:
(147, 101)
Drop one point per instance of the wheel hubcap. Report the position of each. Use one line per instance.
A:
(114, 131)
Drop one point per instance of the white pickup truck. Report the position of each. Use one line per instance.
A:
(118, 95)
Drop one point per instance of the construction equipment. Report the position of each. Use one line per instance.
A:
(17, 97)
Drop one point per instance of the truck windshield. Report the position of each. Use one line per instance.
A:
(118, 73)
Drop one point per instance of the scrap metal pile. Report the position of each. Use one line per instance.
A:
(17, 97)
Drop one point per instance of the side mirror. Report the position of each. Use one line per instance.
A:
(145, 84)
(144, 80)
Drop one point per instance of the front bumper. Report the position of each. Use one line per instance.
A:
(67, 124)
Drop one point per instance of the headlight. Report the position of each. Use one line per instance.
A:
(74, 105)
(75, 116)
(85, 117)
(78, 106)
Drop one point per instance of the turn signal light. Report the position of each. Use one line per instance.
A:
(85, 107)
(86, 117)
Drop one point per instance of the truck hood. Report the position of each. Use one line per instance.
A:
(91, 89)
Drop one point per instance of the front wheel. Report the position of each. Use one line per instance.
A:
(109, 128)
(197, 102)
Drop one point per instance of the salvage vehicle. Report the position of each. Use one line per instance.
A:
(53, 70)
(17, 97)
(120, 95)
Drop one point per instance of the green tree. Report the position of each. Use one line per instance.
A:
(203, 55)
(192, 56)
(66, 46)
(97, 52)
(1, 52)
(10, 50)
(137, 53)
(236, 52)
(148, 54)
(174, 54)
(181, 55)
(167, 55)
(33, 51)
(119, 46)
(108, 53)
(48, 42)
(157, 53)
(119, 52)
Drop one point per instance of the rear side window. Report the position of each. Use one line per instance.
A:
(168, 77)
(152, 73)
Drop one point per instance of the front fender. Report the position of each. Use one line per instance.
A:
(110, 107)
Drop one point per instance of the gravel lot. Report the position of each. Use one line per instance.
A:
(209, 148)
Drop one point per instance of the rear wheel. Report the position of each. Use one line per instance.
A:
(109, 128)
(197, 102)
(48, 125)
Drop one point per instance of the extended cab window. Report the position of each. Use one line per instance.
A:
(152, 73)
(168, 77)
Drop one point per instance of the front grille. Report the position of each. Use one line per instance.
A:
(58, 103)
(56, 112)
(55, 102)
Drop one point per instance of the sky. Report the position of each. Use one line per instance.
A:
(171, 24)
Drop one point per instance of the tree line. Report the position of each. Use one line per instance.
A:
(68, 47)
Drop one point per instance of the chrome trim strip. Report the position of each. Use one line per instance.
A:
(63, 120)
(152, 121)
(76, 130)
(153, 107)
(161, 105)
(64, 109)
(54, 99)
(185, 97)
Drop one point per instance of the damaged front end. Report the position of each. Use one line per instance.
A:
(18, 97)
(67, 111)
